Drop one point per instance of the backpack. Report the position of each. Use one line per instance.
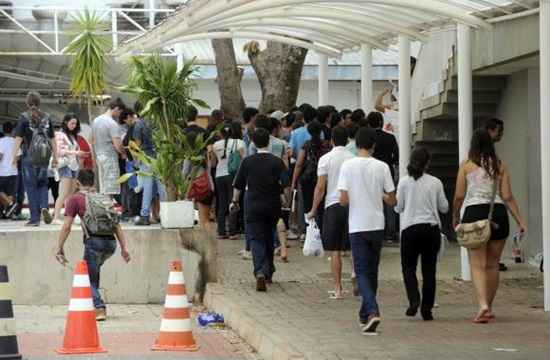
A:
(234, 160)
(39, 151)
(101, 218)
(310, 171)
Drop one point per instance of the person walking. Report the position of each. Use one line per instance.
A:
(481, 176)
(366, 183)
(97, 247)
(387, 151)
(8, 171)
(335, 222)
(264, 176)
(69, 155)
(107, 147)
(225, 152)
(420, 199)
(34, 133)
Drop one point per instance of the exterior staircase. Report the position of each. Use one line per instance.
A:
(437, 129)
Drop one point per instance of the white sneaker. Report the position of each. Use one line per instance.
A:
(247, 255)
(291, 235)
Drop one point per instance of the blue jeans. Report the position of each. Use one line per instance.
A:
(247, 236)
(365, 249)
(151, 187)
(261, 244)
(96, 251)
(35, 180)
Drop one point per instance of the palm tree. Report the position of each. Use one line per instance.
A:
(166, 95)
(90, 60)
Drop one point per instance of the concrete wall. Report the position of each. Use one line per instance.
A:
(343, 94)
(520, 149)
(37, 278)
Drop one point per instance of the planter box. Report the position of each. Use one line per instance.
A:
(177, 214)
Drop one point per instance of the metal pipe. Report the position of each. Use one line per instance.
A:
(513, 16)
(465, 113)
(114, 27)
(404, 103)
(544, 143)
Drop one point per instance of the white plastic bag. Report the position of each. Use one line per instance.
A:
(313, 246)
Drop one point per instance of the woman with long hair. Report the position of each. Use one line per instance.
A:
(306, 165)
(69, 153)
(420, 199)
(229, 146)
(477, 179)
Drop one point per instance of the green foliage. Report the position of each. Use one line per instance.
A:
(90, 61)
(166, 96)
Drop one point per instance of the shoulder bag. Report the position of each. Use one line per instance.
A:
(477, 234)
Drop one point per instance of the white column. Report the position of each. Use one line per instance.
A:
(323, 79)
(544, 143)
(404, 103)
(179, 56)
(151, 14)
(465, 113)
(366, 78)
(114, 28)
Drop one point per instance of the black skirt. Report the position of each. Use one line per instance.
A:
(501, 228)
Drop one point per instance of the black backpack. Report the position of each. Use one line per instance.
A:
(39, 150)
(310, 171)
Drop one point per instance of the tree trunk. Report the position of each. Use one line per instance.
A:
(229, 78)
(279, 70)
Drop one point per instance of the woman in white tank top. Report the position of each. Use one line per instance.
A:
(474, 191)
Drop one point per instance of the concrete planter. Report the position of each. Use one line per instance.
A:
(177, 214)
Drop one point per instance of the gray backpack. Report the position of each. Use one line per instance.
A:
(101, 218)
(39, 151)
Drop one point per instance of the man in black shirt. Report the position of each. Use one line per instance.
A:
(264, 176)
(386, 150)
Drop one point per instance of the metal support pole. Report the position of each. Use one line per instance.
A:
(179, 56)
(544, 143)
(366, 78)
(56, 29)
(465, 113)
(151, 14)
(114, 26)
(323, 79)
(404, 103)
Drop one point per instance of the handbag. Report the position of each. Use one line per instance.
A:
(200, 189)
(477, 234)
(234, 161)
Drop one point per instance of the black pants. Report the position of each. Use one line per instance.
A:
(225, 191)
(424, 241)
(261, 245)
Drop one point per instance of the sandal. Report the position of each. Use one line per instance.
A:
(284, 259)
(482, 317)
(335, 296)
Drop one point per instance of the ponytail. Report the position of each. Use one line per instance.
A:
(420, 158)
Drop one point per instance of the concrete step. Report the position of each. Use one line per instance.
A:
(480, 97)
(439, 147)
(449, 110)
(481, 83)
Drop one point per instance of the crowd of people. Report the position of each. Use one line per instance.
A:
(269, 174)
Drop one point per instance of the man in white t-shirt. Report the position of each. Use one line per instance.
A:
(365, 184)
(8, 171)
(335, 218)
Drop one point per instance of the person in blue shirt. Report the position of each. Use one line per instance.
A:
(299, 136)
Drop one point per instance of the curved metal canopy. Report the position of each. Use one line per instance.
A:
(329, 27)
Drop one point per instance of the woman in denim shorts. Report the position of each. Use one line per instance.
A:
(69, 153)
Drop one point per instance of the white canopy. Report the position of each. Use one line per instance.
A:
(329, 27)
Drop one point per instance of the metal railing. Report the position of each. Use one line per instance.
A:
(55, 41)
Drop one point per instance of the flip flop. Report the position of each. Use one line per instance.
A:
(334, 296)
(332, 292)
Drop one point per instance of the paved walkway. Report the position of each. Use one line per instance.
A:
(128, 334)
(295, 319)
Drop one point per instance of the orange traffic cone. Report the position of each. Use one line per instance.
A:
(81, 335)
(175, 327)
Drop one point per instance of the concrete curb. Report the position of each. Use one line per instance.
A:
(270, 346)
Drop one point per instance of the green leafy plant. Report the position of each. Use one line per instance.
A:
(90, 60)
(166, 95)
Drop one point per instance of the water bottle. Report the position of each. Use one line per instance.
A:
(516, 250)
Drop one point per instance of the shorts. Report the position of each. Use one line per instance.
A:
(108, 174)
(8, 185)
(335, 228)
(475, 213)
(67, 172)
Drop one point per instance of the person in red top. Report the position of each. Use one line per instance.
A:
(86, 161)
(97, 249)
